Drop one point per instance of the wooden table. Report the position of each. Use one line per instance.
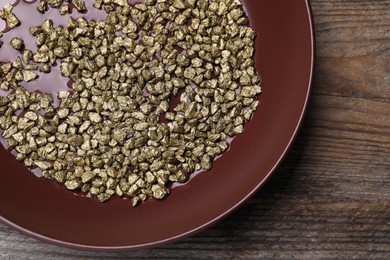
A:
(331, 196)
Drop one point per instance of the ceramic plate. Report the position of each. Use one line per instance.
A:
(284, 58)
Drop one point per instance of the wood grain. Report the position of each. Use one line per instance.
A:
(331, 196)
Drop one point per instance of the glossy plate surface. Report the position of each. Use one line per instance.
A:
(285, 60)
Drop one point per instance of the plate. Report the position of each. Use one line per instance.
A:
(285, 60)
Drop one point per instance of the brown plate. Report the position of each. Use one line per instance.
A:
(285, 60)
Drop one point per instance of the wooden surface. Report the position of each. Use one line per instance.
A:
(331, 196)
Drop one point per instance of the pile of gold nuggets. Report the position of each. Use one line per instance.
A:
(117, 130)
